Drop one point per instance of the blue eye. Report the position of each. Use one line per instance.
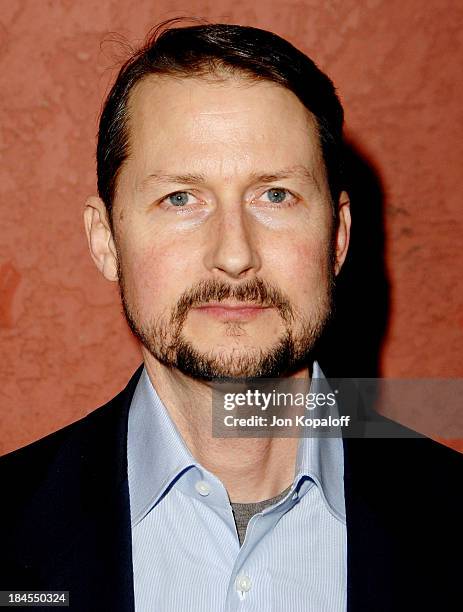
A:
(179, 199)
(276, 195)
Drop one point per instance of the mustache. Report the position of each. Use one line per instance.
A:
(254, 290)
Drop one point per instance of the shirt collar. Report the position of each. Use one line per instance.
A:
(322, 459)
(158, 455)
(156, 451)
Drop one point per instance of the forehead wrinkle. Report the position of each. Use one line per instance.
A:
(298, 171)
(223, 112)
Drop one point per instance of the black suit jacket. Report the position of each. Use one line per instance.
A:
(65, 518)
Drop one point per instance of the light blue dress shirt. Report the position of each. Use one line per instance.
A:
(186, 552)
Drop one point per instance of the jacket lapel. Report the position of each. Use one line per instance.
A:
(370, 546)
(91, 554)
(106, 499)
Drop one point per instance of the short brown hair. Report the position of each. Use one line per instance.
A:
(204, 49)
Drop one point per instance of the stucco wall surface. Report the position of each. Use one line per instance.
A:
(65, 348)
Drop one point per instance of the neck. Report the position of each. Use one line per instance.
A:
(251, 469)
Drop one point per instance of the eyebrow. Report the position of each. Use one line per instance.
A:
(299, 171)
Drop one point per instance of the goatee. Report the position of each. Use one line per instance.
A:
(293, 350)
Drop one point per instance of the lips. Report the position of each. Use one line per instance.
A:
(231, 311)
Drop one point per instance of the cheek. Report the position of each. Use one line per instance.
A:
(153, 277)
(303, 271)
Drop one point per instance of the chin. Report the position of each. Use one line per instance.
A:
(281, 359)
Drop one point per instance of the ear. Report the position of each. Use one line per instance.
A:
(100, 238)
(342, 231)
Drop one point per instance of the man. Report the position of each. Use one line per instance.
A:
(222, 215)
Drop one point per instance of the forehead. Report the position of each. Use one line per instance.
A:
(227, 125)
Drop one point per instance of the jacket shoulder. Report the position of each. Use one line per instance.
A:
(65, 507)
(26, 466)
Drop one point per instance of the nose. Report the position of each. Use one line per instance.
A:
(232, 246)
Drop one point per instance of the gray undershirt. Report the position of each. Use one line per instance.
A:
(244, 512)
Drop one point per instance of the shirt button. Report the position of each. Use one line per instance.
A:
(202, 487)
(243, 583)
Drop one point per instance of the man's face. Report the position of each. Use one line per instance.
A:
(223, 227)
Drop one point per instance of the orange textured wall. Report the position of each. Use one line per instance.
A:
(65, 348)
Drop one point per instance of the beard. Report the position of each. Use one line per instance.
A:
(164, 338)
